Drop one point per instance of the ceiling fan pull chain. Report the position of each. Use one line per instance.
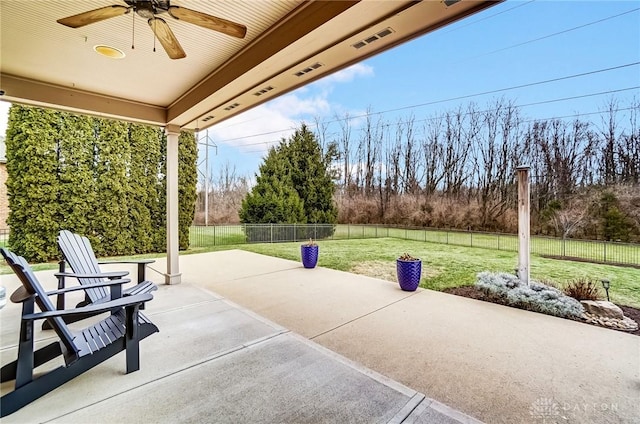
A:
(154, 35)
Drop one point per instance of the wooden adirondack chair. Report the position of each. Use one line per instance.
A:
(81, 350)
(78, 253)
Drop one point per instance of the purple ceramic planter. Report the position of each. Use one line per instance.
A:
(309, 255)
(409, 273)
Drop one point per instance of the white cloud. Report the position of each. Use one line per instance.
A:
(350, 73)
(265, 125)
(244, 139)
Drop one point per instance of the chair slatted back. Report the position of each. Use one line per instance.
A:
(28, 279)
(79, 255)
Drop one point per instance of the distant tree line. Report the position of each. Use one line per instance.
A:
(456, 169)
(101, 178)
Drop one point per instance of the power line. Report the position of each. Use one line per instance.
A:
(532, 104)
(554, 34)
(500, 90)
(577, 115)
(491, 110)
(486, 17)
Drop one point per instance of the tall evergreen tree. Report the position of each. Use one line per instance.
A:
(76, 182)
(187, 180)
(32, 163)
(111, 220)
(145, 142)
(310, 176)
(273, 199)
(294, 185)
(159, 212)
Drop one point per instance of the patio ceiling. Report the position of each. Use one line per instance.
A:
(288, 44)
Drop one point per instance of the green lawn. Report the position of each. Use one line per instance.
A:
(596, 251)
(444, 265)
(450, 266)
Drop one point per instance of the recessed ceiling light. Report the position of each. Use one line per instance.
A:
(108, 51)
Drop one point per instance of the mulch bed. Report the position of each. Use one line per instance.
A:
(474, 293)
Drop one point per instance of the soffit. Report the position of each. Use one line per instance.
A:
(47, 64)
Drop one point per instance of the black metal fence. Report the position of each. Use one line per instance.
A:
(586, 250)
(202, 237)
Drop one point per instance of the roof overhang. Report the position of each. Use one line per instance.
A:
(289, 44)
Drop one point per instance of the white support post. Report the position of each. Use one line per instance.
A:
(523, 223)
(173, 275)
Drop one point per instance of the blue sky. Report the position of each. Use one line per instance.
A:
(511, 44)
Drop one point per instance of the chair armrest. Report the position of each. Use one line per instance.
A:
(142, 266)
(128, 261)
(91, 309)
(112, 274)
(106, 283)
(20, 295)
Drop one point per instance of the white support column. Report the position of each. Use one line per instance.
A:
(173, 272)
(523, 223)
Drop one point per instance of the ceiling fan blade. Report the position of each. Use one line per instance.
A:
(97, 15)
(207, 21)
(169, 41)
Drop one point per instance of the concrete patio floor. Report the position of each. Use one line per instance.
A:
(251, 338)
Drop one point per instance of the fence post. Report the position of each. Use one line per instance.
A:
(471, 234)
(271, 232)
(214, 234)
(564, 248)
(604, 245)
(294, 232)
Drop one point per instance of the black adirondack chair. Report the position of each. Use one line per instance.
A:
(82, 350)
(78, 253)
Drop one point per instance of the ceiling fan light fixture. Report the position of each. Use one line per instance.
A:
(108, 51)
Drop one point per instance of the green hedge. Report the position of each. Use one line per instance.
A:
(99, 177)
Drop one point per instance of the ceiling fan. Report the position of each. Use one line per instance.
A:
(150, 9)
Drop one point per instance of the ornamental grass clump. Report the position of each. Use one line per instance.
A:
(583, 289)
(509, 290)
(407, 257)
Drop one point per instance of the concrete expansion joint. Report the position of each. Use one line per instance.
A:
(363, 316)
(260, 274)
(211, 358)
(181, 308)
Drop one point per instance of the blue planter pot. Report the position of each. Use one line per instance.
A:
(309, 255)
(409, 273)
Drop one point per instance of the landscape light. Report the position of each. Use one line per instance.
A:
(606, 284)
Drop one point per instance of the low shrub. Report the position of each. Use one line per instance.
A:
(509, 290)
(583, 289)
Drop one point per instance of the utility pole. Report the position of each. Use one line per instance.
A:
(206, 141)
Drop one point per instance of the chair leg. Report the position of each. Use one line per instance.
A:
(40, 386)
(132, 339)
(24, 366)
(41, 356)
